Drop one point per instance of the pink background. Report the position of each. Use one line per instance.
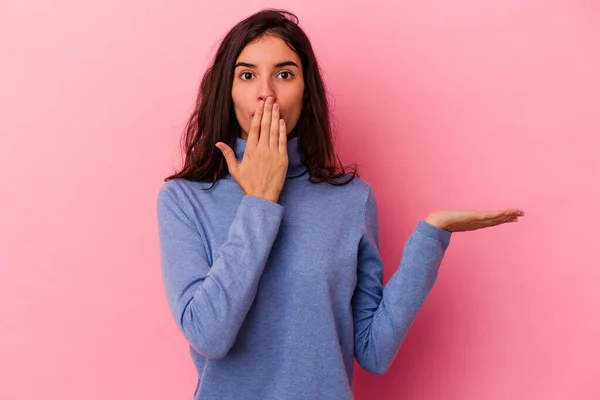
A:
(464, 104)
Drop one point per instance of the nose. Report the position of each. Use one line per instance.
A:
(266, 90)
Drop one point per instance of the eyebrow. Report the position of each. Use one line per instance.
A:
(279, 65)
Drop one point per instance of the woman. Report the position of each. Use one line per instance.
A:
(271, 265)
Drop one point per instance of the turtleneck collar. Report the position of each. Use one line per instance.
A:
(295, 165)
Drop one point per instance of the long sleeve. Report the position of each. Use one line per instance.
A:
(210, 301)
(383, 316)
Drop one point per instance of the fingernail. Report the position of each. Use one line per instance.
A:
(275, 107)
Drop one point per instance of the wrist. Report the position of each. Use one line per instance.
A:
(272, 198)
(432, 220)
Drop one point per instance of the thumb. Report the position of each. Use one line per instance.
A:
(232, 162)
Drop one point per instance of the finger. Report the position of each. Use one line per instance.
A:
(494, 215)
(513, 213)
(265, 124)
(282, 137)
(228, 153)
(509, 218)
(504, 219)
(498, 215)
(255, 125)
(274, 134)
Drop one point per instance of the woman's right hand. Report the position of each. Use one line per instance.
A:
(264, 165)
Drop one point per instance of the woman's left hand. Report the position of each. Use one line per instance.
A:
(471, 220)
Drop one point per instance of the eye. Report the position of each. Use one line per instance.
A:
(288, 74)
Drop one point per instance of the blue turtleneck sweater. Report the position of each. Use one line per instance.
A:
(277, 299)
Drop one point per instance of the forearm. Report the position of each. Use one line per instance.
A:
(379, 339)
(210, 299)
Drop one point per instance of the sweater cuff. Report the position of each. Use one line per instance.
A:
(263, 204)
(434, 232)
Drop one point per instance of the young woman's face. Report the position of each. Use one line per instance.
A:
(267, 67)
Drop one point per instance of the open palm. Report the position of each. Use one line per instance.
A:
(470, 220)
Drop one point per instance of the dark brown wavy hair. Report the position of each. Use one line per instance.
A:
(214, 119)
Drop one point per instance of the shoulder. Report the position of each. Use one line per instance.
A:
(170, 191)
(352, 199)
(169, 197)
(179, 191)
(359, 190)
(364, 200)
(183, 190)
